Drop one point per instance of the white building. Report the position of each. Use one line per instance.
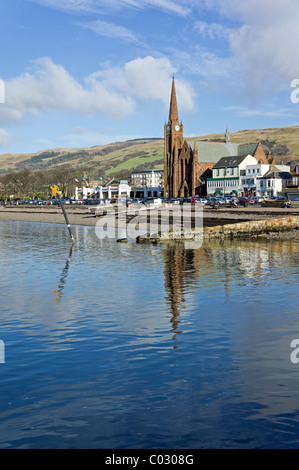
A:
(105, 192)
(227, 174)
(253, 183)
(274, 182)
(296, 176)
(148, 183)
(250, 180)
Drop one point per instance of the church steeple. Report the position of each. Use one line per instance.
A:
(173, 143)
(173, 110)
(227, 136)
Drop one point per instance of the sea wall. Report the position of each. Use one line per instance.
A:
(252, 228)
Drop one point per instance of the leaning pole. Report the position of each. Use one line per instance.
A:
(57, 193)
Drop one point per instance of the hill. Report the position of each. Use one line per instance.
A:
(145, 154)
(138, 154)
(282, 142)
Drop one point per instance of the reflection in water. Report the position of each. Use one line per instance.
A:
(59, 291)
(179, 271)
(97, 369)
(246, 261)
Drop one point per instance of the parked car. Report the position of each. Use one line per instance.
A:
(77, 201)
(213, 202)
(232, 202)
(243, 201)
(221, 200)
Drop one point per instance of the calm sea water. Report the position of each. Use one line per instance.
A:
(119, 346)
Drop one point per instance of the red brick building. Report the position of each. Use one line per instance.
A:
(188, 163)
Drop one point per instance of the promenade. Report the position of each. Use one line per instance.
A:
(85, 215)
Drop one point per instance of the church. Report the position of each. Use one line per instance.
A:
(188, 163)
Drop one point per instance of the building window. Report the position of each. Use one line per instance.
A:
(231, 171)
(249, 171)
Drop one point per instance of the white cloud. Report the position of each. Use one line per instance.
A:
(146, 79)
(249, 112)
(266, 43)
(114, 92)
(212, 30)
(178, 7)
(50, 86)
(111, 30)
(5, 138)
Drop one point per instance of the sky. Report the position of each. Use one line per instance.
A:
(79, 73)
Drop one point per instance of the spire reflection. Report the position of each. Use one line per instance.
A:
(180, 270)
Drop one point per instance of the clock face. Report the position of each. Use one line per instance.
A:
(177, 128)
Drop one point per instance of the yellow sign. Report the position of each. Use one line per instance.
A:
(55, 190)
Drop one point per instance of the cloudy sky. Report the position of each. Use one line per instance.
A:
(79, 73)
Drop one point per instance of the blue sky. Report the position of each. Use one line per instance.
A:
(79, 73)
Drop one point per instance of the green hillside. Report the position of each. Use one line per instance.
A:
(145, 154)
(282, 142)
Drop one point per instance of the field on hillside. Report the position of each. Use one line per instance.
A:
(146, 154)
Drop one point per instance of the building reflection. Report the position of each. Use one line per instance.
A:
(181, 269)
(224, 263)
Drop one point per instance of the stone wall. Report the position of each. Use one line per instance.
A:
(252, 228)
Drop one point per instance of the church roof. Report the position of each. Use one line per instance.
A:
(212, 152)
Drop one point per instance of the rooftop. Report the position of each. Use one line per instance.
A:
(212, 152)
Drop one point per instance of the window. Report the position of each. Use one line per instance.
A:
(253, 171)
(249, 171)
(257, 170)
(231, 171)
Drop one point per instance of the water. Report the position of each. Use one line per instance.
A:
(127, 346)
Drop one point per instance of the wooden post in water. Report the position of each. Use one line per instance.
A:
(57, 193)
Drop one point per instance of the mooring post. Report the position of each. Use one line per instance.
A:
(57, 193)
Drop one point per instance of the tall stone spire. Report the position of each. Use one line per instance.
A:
(173, 110)
(227, 136)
